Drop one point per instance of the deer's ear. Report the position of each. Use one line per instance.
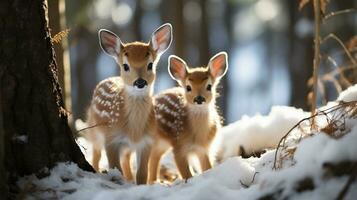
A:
(177, 68)
(109, 42)
(161, 38)
(218, 64)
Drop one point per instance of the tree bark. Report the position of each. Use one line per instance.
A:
(3, 185)
(35, 127)
(57, 23)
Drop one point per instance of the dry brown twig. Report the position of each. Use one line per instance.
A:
(350, 181)
(351, 44)
(335, 13)
(348, 48)
(345, 108)
(93, 126)
(338, 70)
(251, 182)
(333, 36)
(319, 5)
(323, 4)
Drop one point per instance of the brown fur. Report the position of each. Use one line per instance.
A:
(122, 106)
(138, 54)
(198, 126)
(135, 119)
(186, 117)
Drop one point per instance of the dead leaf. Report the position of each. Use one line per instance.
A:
(323, 5)
(351, 43)
(303, 3)
(330, 129)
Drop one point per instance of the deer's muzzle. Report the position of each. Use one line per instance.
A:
(140, 83)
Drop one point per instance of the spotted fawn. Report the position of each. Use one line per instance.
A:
(186, 116)
(122, 108)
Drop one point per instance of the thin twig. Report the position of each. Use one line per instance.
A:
(333, 14)
(333, 36)
(96, 125)
(340, 52)
(316, 57)
(349, 182)
(251, 182)
(332, 109)
(321, 87)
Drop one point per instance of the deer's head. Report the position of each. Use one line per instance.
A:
(137, 60)
(199, 83)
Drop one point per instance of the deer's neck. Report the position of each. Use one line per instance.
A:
(138, 106)
(201, 121)
(201, 116)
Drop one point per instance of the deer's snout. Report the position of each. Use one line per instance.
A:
(199, 99)
(140, 83)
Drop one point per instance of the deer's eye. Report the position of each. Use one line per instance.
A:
(209, 87)
(149, 66)
(126, 67)
(188, 88)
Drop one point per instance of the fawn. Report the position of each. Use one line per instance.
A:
(122, 106)
(186, 116)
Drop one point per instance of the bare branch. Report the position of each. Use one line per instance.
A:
(340, 12)
(316, 56)
(93, 126)
(329, 110)
(333, 36)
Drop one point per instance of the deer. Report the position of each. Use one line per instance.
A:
(121, 108)
(186, 116)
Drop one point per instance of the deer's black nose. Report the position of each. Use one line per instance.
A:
(140, 83)
(199, 99)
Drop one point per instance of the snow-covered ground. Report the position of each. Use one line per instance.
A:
(304, 171)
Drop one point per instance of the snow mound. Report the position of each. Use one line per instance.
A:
(258, 132)
(67, 181)
(312, 155)
(251, 178)
(311, 175)
(350, 94)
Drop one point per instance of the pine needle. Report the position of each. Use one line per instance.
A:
(59, 36)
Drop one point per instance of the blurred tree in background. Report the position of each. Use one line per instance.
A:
(269, 42)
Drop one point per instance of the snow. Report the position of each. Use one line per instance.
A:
(350, 94)
(233, 178)
(258, 132)
(22, 139)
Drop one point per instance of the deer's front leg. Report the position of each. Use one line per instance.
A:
(142, 158)
(125, 163)
(96, 155)
(112, 151)
(157, 151)
(204, 160)
(181, 160)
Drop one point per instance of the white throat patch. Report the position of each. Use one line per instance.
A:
(199, 109)
(139, 92)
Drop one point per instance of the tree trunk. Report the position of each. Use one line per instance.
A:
(57, 23)
(203, 41)
(3, 187)
(300, 57)
(35, 127)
